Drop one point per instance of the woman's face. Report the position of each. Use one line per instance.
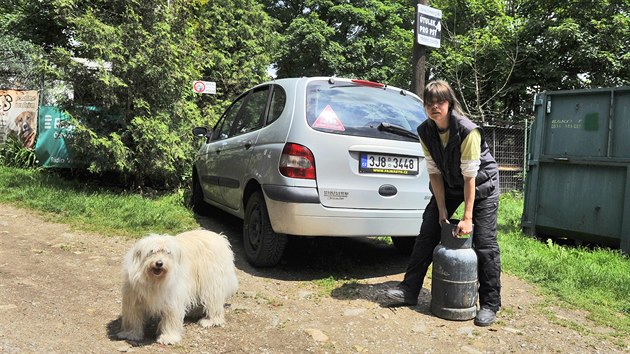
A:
(437, 110)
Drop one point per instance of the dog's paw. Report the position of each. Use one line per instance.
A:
(211, 322)
(130, 335)
(168, 339)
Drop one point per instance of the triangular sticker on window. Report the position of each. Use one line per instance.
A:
(328, 120)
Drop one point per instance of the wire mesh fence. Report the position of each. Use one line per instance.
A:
(508, 144)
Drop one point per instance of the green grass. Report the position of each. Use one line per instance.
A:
(595, 281)
(342, 287)
(328, 284)
(91, 208)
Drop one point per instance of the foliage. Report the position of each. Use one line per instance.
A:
(478, 55)
(576, 44)
(18, 64)
(35, 22)
(239, 43)
(133, 106)
(14, 154)
(367, 39)
(133, 118)
(145, 82)
(496, 53)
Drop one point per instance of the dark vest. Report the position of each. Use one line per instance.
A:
(448, 159)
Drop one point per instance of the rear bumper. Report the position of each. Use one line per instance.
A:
(313, 219)
(291, 194)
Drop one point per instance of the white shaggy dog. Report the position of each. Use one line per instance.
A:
(170, 276)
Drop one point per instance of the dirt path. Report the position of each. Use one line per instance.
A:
(60, 292)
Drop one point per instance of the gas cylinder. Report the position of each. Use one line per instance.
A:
(454, 276)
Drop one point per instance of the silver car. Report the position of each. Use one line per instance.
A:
(315, 157)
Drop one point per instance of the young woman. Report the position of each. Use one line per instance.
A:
(461, 170)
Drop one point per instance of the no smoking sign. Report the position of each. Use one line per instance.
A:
(205, 87)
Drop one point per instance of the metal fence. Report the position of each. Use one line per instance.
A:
(508, 145)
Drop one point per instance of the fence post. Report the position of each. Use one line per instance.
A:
(525, 146)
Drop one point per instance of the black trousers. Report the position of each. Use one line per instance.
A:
(484, 242)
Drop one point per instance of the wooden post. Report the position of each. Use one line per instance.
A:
(419, 57)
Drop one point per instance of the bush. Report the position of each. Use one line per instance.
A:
(14, 154)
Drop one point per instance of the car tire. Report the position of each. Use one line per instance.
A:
(199, 206)
(404, 245)
(263, 246)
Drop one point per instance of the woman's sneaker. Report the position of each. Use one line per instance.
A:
(485, 317)
(400, 297)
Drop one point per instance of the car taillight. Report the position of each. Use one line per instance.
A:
(297, 161)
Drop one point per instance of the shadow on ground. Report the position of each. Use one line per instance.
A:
(311, 258)
(150, 329)
(150, 332)
(376, 294)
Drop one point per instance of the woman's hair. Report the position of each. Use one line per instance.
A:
(440, 90)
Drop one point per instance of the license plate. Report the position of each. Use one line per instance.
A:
(392, 164)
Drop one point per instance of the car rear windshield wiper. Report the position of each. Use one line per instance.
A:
(344, 86)
(398, 130)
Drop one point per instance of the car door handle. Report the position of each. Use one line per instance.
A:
(217, 151)
(247, 145)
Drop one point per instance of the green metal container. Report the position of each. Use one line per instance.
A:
(578, 174)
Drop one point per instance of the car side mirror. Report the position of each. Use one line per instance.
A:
(200, 131)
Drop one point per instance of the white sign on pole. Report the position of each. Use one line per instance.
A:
(205, 87)
(429, 28)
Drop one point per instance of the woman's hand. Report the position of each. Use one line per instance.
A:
(443, 218)
(464, 227)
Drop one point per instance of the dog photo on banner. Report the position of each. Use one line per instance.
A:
(18, 116)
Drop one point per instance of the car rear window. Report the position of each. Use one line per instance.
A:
(357, 109)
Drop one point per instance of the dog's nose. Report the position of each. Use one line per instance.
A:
(159, 264)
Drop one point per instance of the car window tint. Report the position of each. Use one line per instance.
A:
(351, 109)
(278, 102)
(222, 129)
(251, 115)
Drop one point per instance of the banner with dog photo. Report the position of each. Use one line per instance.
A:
(18, 116)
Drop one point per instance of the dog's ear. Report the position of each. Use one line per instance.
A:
(134, 258)
(137, 256)
(172, 246)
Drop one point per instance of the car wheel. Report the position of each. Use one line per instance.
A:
(404, 245)
(263, 246)
(199, 205)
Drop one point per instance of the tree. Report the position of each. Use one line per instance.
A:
(478, 55)
(133, 104)
(27, 30)
(18, 68)
(31, 21)
(367, 39)
(498, 53)
(575, 44)
(238, 43)
(131, 63)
